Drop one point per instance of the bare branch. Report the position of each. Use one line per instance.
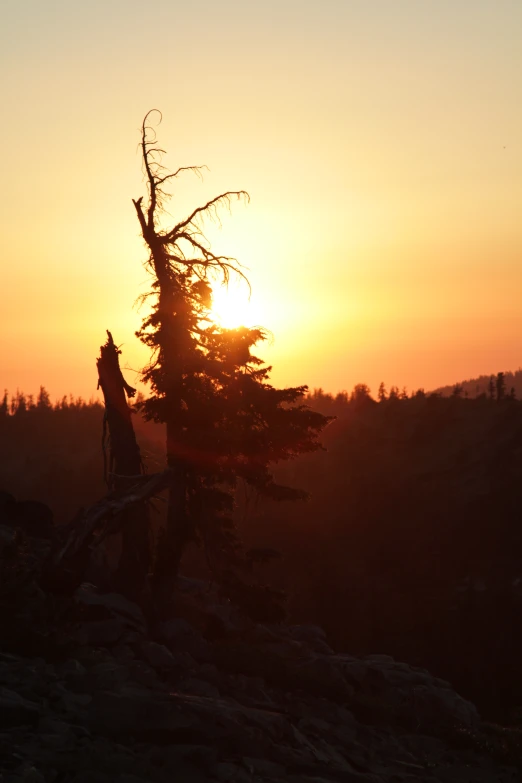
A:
(196, 169)
(223, 198)
(145, 127)
(141, 216)
(207, 253)
(225, 264)
(147, 150)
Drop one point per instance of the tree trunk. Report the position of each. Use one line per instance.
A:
(178, 529)
(124, 463)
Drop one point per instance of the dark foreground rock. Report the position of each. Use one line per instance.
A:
(211, 696)
(122, 713)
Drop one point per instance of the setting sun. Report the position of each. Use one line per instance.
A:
(232, 306)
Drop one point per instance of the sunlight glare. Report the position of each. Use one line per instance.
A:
(232, 306)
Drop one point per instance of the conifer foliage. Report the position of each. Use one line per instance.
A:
(224, 421)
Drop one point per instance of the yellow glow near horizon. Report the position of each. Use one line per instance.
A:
(378, 142)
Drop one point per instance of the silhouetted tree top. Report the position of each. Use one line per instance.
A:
(500, 385)
(43, 401)
(182, 252)
(4, 405)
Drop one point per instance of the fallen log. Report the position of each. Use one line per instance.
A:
(70, 556)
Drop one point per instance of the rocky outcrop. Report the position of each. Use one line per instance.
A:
(109, 715)
(212, 696)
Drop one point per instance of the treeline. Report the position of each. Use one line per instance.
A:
(499, 387)
(511, 383)
(20, 403)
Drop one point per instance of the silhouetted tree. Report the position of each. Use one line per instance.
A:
(62, 404)
(19, 404)
(4, 405)
(500, 385)
(457, 390)
(360, 394)
(223, 419)
(341, 398)
(381, 394)
(43, 401)
(491, 388)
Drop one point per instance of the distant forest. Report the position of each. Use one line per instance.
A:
(52, 451)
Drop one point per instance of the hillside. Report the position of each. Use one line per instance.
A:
(474, 387)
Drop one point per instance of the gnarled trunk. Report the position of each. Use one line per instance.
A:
(124, 465)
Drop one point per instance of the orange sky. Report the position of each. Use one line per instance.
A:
(380, 142)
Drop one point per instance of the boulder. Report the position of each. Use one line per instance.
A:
(232, 773)
(199, 604)
(320, 675)
(162, 659)
(143, 674)
(138, 713)
(106, 605)
(26, 772)
(15, 710)
(73, 705)
(395, 692)
(223, 621)
(198, 688)
(307, 633)
(109, 675)
(173, 756)
(99, 633)
(73, 674)
(262, 768)
(180, 635)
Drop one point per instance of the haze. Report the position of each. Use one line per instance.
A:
(380, 144)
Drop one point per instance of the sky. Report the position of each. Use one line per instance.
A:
(380, 142)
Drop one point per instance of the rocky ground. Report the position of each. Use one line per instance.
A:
(90, 694)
